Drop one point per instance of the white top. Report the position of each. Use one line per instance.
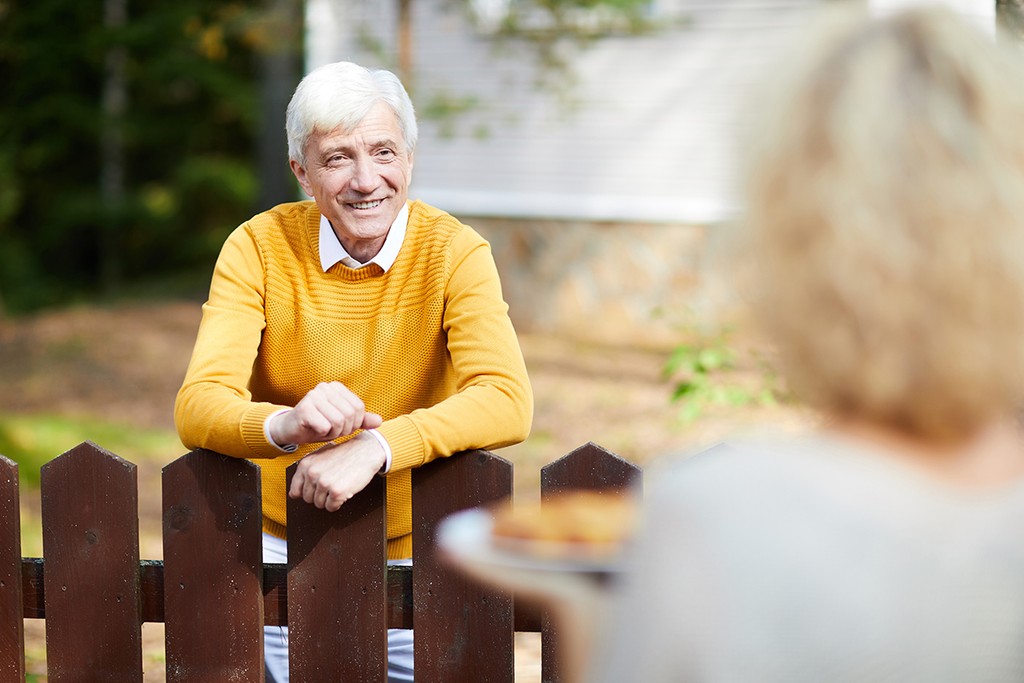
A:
(814, 560)
(332, 251)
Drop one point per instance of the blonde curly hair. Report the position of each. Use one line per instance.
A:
(884, 222)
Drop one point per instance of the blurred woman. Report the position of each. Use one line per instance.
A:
(883, 255)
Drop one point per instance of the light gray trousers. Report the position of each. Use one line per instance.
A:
(275, 638)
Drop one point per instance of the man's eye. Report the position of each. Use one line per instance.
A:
(385, 153)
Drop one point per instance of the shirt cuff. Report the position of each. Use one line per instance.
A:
(387, 450)
(285, 448)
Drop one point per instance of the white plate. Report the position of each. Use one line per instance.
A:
(467, 537)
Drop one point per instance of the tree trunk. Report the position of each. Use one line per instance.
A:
(112, 158)
(405, 61)
(281, 67)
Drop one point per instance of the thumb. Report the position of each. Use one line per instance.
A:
(372, 421)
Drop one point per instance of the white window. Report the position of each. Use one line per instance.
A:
(982, 11)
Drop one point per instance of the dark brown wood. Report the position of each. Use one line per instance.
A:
(275, 597)
(399, 596)
(151, 586)
(211, 506)
(463, 629)
(32, 588)
(151, 589)
(275, 594)
(213, 564)
(337, 616)
(589, 467)
(91, 544)
(12, 624)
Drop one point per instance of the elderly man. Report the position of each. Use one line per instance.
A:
(361, 332)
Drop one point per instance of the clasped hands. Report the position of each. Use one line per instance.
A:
(331, 475)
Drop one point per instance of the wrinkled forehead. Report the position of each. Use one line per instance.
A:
(379, 128)
(377, 116)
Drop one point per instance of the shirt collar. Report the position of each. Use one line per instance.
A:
(331, 251)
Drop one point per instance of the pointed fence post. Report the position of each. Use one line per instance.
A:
(463, 630)
(91, 545)
(12, 622)
(213, 569)
(337, 600)
(589, 467)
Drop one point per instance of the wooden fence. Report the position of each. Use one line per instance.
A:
(214, 593)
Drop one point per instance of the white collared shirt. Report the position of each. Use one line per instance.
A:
(332, 252)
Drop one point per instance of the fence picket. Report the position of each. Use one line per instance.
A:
(589, 467)
(213, 569)
(337, 616)
(12, 623)
(91, 544)
(464, 631)
(214, 593)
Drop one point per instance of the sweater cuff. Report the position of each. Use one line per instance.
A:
(284, 448)
(405, 442)
(253, 431)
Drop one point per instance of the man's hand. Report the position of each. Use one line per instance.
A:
(328, 411)
(327, 478)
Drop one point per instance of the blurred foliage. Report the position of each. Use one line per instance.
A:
(187, 134)
(704, 374)
(1010, 19)
(555, 30)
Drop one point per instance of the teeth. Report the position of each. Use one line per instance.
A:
(366, 205)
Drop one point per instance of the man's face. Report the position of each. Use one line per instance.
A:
(359, 179)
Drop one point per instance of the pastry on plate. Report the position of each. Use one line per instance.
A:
(591, 523)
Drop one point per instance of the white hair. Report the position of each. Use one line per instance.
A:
(339, 95)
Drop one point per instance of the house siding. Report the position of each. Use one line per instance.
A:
(646, 137)
(601, 213)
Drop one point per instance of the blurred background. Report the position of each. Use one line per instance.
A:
(590, 141)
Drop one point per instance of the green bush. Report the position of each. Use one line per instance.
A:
(705, 374)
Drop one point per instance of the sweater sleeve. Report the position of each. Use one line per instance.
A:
(493, 403)
(214, 407)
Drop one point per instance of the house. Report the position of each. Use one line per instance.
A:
(601, 195)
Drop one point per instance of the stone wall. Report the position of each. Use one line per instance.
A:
(609, 282)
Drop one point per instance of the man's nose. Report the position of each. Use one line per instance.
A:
(364, 175)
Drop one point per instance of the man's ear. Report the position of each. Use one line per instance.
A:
(300, 175)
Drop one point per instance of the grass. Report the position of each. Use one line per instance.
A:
(33, 440)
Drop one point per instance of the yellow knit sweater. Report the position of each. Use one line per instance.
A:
(427, 345)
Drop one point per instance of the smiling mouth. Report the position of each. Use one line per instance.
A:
(367, 205)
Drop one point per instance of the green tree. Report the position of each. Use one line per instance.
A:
(126, 141)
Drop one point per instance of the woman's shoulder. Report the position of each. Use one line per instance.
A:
(743, 458)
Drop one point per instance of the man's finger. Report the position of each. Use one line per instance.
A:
(316, 424)
(335, 501)
(298, 480)
(309, 489)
